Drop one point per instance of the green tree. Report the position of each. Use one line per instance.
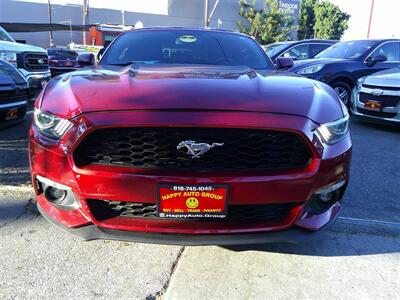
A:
(267, 24)
(306, 19)
(330, 21)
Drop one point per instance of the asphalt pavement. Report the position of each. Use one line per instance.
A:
(359, 257)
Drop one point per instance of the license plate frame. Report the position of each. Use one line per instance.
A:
(177, 207)
(12, 114)
(374, 105)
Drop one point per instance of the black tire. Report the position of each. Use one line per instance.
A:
(343, 90)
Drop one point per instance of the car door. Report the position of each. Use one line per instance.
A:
(391, 50)
(298, 52)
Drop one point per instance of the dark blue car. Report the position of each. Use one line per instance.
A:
(297, 50)
(342, 64)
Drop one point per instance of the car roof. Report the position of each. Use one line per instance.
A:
(180, 28)
(375, 40)
(305, 41)
(60, 49)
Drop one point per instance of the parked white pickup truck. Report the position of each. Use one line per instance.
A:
(31, 61)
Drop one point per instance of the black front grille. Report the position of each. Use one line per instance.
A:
(243, 149)
(33, 61)
(377, 113)
(104, 209)
(387, 101)
(15, 95)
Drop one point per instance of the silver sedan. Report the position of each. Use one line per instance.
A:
(377, 97)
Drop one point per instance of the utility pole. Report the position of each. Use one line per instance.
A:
(370, 18)
(85, 11)
(206, 22)
(212, 13)
(51, 40)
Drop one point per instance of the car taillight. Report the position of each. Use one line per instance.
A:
(52, 62)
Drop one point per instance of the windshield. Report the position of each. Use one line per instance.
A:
(62, 53)
(346, 50)
(186, 47)
(4, 36)
(274, 49)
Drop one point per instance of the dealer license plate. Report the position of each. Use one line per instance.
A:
(373, 105)
(12, 114)
(192, 201)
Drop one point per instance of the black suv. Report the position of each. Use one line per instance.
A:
(297, 50)
(14, 93)
(342, 64)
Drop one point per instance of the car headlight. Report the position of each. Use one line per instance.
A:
(311, 70)
(335, 131)
(49, 125)
(10, 57)
(360, 82)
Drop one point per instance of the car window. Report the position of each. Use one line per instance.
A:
(390, 50)
(186, 47)
(274, 49)
(297, 52)
(4, 36)
(62, 53)
(353, 49)
(317, 48)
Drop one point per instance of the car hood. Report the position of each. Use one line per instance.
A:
(18, 47)
(188, 88)
(9, 75)
(387, 78)
(316, 61)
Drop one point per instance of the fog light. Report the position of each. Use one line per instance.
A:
(323, 199)
(332, 188)
(53, 194)
(57, 194)
(326, 197)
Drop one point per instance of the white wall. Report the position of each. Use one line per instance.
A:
(385, 21)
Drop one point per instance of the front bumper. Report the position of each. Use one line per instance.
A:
(19, 106)
(294, 235)
(387, 115)
(330, 164)
(36, 79)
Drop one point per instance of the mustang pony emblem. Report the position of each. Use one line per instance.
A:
(197, 149)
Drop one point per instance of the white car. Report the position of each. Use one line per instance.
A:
(31, 61)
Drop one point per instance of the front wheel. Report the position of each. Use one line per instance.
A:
(343, 90)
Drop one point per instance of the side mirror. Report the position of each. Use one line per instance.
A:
(85, 59)
(100, 53)
(373, 60)
(283, 63)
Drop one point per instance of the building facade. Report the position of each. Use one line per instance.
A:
(150, 13)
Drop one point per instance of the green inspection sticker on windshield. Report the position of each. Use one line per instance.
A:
(188, 39)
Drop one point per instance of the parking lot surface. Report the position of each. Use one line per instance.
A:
(358, 257)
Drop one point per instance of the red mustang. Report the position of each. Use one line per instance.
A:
(188, 136)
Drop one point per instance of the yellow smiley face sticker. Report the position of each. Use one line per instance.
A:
(188, 39)
(192, 202)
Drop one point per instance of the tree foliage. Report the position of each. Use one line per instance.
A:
(322, 20)
(330, 21)
(267, 24)
(307, 19)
